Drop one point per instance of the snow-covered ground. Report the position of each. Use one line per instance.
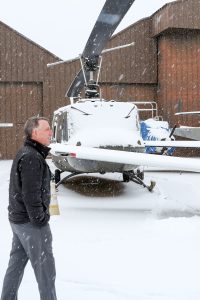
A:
(117, 241)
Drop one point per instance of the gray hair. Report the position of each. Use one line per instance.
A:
(31, 124)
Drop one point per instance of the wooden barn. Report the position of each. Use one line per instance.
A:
(163, 66)
(23, 87)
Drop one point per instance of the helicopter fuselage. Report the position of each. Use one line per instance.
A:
(99, 124)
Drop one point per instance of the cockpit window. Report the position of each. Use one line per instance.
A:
(54, 128)
(65, 134)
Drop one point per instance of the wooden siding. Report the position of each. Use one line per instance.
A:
(124, 92)
(177, 14)
(21, 59)
(22, 73)
(18, 102)
(58, 80)
(179, 76)
(135, 64)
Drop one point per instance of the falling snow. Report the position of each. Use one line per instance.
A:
(117, 241)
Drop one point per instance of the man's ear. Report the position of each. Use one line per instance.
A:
(34, 133)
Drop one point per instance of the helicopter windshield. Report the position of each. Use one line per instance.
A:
(107, 123)
(104, 115)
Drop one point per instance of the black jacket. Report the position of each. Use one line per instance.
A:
(29, 189)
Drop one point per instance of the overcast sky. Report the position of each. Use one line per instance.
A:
(63, 26)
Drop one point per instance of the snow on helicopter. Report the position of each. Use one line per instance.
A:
(189, 132)
(92, 135)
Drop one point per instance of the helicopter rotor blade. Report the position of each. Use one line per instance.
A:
(109, 18)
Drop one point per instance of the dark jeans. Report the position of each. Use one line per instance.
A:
(34, 243)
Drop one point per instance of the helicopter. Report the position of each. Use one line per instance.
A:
(93, 135)
(188, 132)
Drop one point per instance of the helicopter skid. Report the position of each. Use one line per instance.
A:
(138, 177)
(81, 166)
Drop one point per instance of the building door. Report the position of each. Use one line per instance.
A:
(18, 102)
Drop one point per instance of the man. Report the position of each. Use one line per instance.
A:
(29, 198)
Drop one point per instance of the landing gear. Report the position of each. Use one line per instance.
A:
(140, 174)
(57, 175)
(65, 178)
(138, 178)
(126, 177)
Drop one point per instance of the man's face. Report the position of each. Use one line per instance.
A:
(42, 133)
